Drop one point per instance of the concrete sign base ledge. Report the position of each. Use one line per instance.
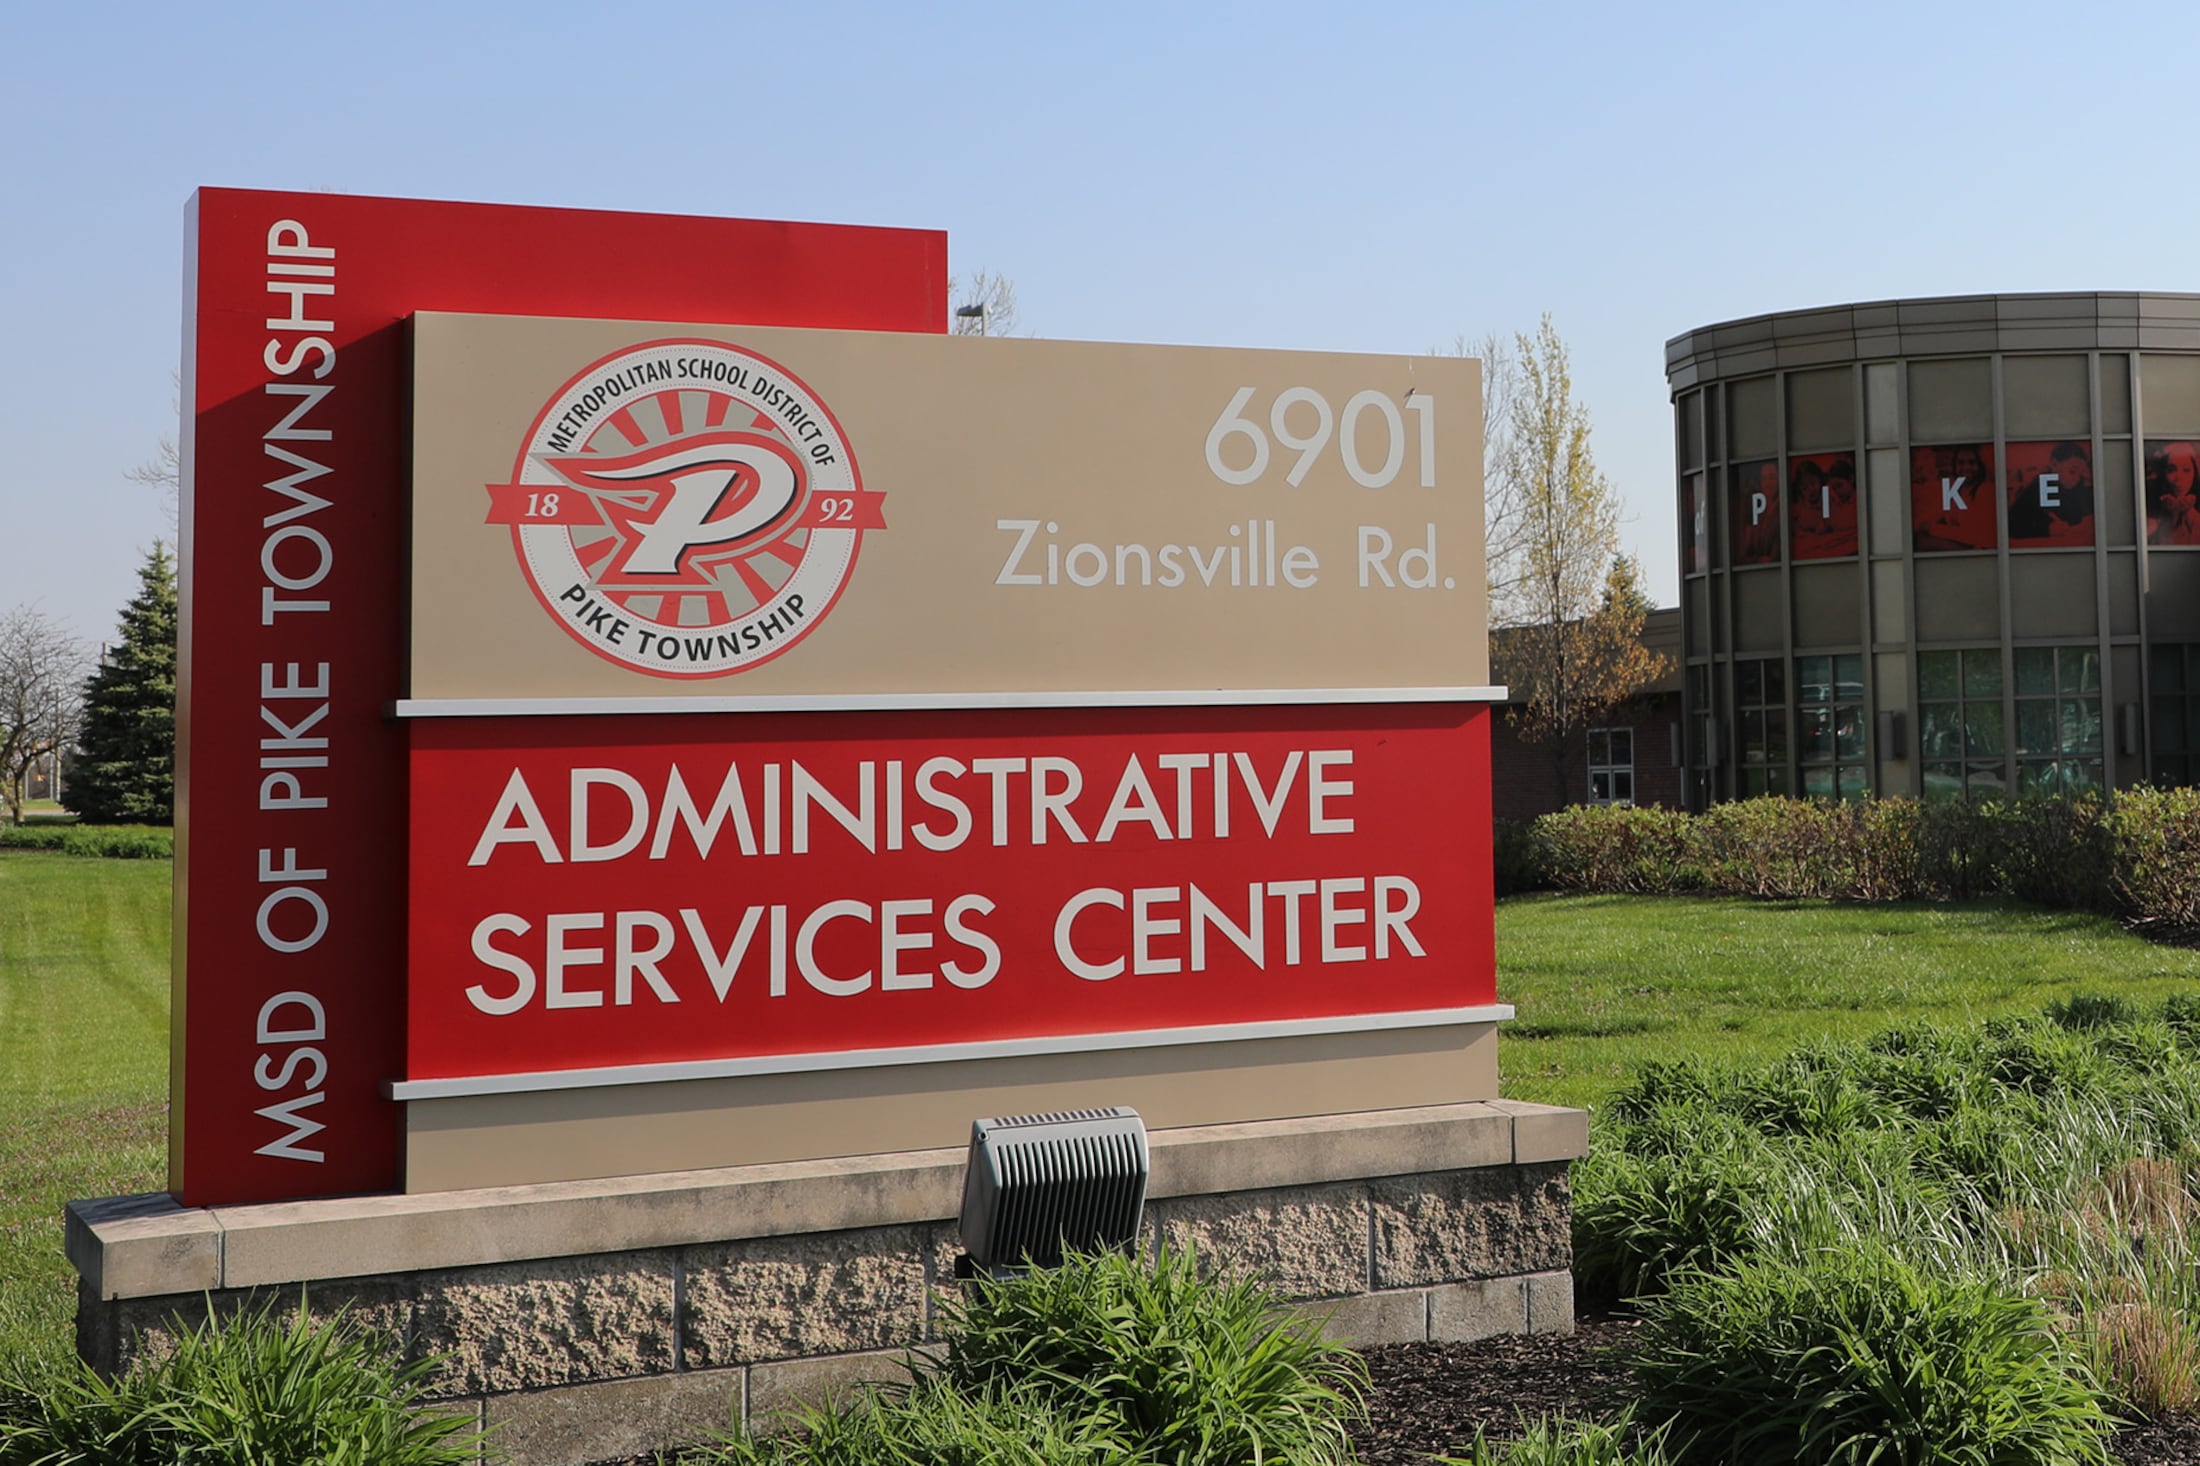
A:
(585, 1320)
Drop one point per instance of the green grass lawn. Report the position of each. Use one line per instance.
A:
(1603, 984)
(83, 1066)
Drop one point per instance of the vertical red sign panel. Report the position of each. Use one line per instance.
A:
(290, 920)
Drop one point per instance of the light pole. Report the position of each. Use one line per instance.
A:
(972, 313)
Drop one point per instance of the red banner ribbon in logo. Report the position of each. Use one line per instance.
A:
(540, 504)
(860, 510)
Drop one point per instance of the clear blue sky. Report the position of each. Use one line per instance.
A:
(1320, 177)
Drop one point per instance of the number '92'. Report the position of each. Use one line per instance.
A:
(1301, 421)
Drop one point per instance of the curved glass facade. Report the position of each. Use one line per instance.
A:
(1947, 548)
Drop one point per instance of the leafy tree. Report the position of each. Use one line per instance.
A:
(125, 771)
(41, 665)
(1573, 605)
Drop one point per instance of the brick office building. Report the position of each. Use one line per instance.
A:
(1631, 757)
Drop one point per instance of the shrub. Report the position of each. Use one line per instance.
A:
(241, 1392)
(118, 842)
(2052, 852)
(2132, 854)
(1780, 849)
(1517, 858)
(1614, 849)
(1858, 1356)
(2154, 837)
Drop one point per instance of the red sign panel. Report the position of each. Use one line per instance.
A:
(291, 800)
(592, 892)
(1952, 502)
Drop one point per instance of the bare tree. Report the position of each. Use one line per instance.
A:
(990, 303)
(42, 670)
(1504, 482)
(164, 471)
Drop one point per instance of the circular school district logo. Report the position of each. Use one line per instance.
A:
(686, 508)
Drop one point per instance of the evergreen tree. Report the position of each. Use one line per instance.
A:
(125, 770)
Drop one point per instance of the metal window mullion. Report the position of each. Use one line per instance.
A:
(2003, 589)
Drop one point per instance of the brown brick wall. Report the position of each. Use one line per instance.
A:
(1522, 785)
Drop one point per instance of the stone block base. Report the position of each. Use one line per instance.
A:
(591, 1320)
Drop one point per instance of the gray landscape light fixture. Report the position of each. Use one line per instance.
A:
(1039, 1184)
(972, 313)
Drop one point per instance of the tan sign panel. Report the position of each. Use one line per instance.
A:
(606, 509)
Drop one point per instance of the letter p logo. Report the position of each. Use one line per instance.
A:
(696, 493)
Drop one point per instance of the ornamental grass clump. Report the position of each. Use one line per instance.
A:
(1565, 1442)
(1104, 1359)
(1198, 1368)
(1860, 1357)
(247, 1391)
(931, 1423)
(2054, 1162)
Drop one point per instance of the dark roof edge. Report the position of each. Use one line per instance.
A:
(1934, 326)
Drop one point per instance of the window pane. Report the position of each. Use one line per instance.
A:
(1776, 779)
(1853, 785)
(1598, 753)
(1981, 728)
(1943, 781)
(1937, 675)
(1812, 679)
(1623, 787)
(2081, 776)
(1623, 746)
(2169, 725)
(1818, 783)
(1776, 735)
(2037, 730)
(1776, 687)
(1984, 781)
(2035, 670)
(1814, 734)
(2035, 778)
(2169, 669)
(1848, 675)
(1941, 731)
(1600, 786)
(2080, 670)
(1848, 731)
(1749, 683)
(1982, 673)
(2081, 726)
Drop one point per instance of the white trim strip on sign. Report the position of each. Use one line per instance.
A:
(422, 1089)
(834, 702)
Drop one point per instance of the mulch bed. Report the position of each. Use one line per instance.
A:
(1429, 1398)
